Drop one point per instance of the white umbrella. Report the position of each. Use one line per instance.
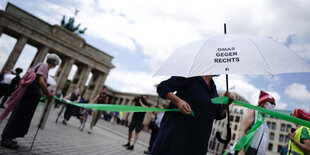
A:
(51, 80)
(232, 54)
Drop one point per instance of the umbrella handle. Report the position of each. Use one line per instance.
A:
(218, 134)
(225, 141)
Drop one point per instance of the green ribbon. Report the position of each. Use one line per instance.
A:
(225, 100)
(113, 107)
(247, 138)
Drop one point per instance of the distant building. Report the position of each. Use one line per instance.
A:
(278, 130)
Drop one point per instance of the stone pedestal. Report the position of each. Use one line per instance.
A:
(44, 116)
(10, 62)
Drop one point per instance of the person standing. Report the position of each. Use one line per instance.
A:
(9, 84)
(154, 126)
(71, 109)
(259, 141)
(299, 143)
(283, 150)
(102, 98)
(136, 121)
(181, 133)
(58, 94)
(20, 119)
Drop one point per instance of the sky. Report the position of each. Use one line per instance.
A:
(140, 35)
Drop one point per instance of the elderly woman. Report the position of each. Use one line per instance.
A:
(259, 141)
(20, 119)
(180, 133)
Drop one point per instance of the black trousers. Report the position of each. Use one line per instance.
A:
(70, 110)
(153, 137)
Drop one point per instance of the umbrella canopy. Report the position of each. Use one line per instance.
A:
(51, 80)
(232, 54)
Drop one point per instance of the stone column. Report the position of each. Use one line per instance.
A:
(63, 72)
(98, 85)
(91, 86)
(80, 78)
(116, 100)
(84, 76)
(1, 30)
(124, 101)
(40, 56)
(10, 62)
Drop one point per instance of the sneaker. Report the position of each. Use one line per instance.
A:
(64, 122)
(9, 144)
(89, 131)
(126, 145)
(147, 152)
(130, 147)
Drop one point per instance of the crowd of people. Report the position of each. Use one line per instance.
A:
(171, 132)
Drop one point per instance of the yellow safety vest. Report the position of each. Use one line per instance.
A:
(293, 149)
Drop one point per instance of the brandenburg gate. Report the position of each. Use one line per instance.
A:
(71, 48)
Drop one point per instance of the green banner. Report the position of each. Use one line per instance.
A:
(247, 138)
(113, 107)
(225, 100)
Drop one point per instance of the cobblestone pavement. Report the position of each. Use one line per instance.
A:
(56, 138)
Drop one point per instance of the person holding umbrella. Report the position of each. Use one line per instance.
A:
(299, 138)
(259, 141)
(180, 132)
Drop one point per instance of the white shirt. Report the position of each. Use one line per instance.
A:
(7, 78)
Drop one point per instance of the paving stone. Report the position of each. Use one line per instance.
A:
(58, 139)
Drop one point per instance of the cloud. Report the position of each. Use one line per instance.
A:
(281, 105)
(136, 82)
(298, 92)
(273, 81)
(242, 86)
(157, 27)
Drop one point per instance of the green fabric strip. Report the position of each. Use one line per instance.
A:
(113, 107)
(246, 140)
(225, 100)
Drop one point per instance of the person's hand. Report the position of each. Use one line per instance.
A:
(230, 96)
(184, 107)
(49, 95)
(291, 135)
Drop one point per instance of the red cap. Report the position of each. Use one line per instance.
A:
(265, 97)
(302, 114)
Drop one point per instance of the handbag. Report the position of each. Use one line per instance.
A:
(33, 89)
(251, 151)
